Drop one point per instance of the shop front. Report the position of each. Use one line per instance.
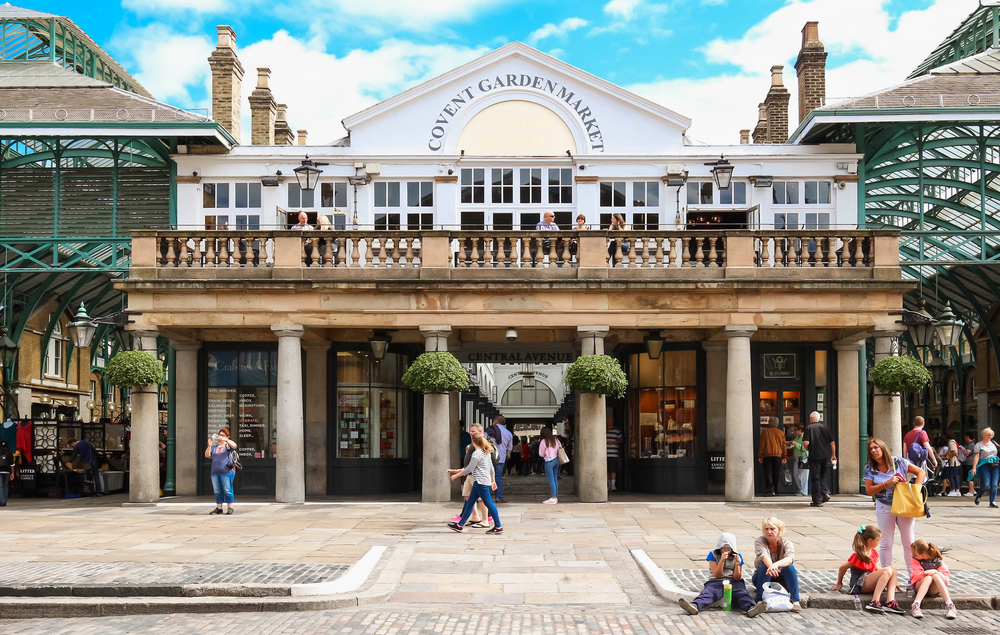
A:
(790, 381)
(665, 414)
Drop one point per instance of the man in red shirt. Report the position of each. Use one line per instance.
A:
(917, 435)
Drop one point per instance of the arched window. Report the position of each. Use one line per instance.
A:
(540, 395)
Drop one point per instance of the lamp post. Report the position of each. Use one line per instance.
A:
(722, 170)
(379, 343)
(8, 355)
(307, 174)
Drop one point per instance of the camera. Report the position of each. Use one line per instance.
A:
(214, 438)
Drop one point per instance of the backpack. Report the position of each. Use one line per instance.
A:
(963, 453)
(917, 454)
(234, 460)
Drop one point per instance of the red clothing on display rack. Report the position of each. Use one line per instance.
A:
(25, 437)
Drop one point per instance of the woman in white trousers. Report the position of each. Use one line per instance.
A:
(882, 473)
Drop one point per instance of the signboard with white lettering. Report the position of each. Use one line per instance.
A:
(780, 366)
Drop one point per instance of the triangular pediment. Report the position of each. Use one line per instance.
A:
(600, 116)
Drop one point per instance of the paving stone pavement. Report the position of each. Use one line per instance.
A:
(816, 581)
(413, 619)
(169, 573)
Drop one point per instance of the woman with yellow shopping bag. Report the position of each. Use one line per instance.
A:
(885, 473)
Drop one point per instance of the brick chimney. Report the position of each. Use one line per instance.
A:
(227, 81)
(283, 135)
(302, 137)
(760, 130)
(776, 104)
(810, 68)
(262, 111)
(744, 136)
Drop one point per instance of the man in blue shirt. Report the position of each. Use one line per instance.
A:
(503, 439)
(87, 455)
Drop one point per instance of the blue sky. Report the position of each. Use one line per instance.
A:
(707, 59)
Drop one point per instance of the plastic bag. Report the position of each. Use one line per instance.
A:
(786, 474)
(777, 598)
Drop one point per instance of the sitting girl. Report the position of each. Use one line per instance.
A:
(866, 575)
(725, 563)
(930, 574)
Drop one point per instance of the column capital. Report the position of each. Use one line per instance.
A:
(185, 345)
(715, 345)
(848, 345)
(587, 332)
(142, 336)
(289, 330)
(742, 330)
(437, 330)
(320, 346)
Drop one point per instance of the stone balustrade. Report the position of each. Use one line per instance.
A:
(461, 254)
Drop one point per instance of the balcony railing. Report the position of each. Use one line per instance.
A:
(459, 254)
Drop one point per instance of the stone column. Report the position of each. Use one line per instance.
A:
(454, 416)
(316, 416)
(144, 447)
(848, 415)
(592, 449)
(290, 472)
(740, 451)
(887, 422)
(435, 485)
(188, 446)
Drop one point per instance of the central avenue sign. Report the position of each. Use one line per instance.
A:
(516, 354)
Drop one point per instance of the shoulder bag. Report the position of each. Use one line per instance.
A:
(909, 500)
(563, 457)
(234, 461)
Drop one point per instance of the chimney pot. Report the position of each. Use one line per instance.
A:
(302, 137)
(744, 136)
(263, 77)
(282, 112)
(776, 75)
(810, 33)
(227, 37)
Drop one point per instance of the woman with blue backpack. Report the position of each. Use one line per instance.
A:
(986, 463)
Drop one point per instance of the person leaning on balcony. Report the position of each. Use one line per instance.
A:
(302, 225)
(581, 226)
(771, 455)
(617, 224)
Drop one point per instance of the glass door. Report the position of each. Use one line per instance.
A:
(786, 407)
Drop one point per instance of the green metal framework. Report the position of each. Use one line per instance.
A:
(977, 33)
(60, 41)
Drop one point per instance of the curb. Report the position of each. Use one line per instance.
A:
(207, 599)
(669, 591)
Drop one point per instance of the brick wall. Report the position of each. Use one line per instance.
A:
(227, 82)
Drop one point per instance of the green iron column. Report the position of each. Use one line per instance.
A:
(168, 484)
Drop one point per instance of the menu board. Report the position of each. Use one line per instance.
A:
(252, 437)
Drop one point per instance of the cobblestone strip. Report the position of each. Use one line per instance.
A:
(407, 619)
(167, 573)
(815, 581)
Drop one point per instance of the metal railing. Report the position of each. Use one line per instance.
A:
(911, 101)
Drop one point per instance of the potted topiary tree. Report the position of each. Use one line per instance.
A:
(436, 375)
(143, 372)
(899, 374)
(594, 377)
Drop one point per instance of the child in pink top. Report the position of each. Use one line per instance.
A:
(930, 573)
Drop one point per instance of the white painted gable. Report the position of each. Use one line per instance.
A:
(601, 118)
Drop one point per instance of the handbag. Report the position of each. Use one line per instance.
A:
(563, 457)
(234, 461)
(786, 474)
(909, 500)
(777, 598)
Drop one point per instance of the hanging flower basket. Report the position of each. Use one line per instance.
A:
(134, 368)
(900, 374)
(597, 374)
(436, 373)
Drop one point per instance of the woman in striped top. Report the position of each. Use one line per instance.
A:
(481, 468)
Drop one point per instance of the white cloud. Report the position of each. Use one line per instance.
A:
(162, 6)
(329, 88)
(722, 104)
(386, 16)
(622, 9)
(169, 65)
(556, 30)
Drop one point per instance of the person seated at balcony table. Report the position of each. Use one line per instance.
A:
(326, 244)
(303, 225)
(617, 224)
(547, 224)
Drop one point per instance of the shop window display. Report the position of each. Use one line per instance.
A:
(243, 395)
(371, 406)
(663, 406)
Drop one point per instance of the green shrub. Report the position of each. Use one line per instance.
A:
(900, 374)
(597, 374)
(134, 368)
(436, 372)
